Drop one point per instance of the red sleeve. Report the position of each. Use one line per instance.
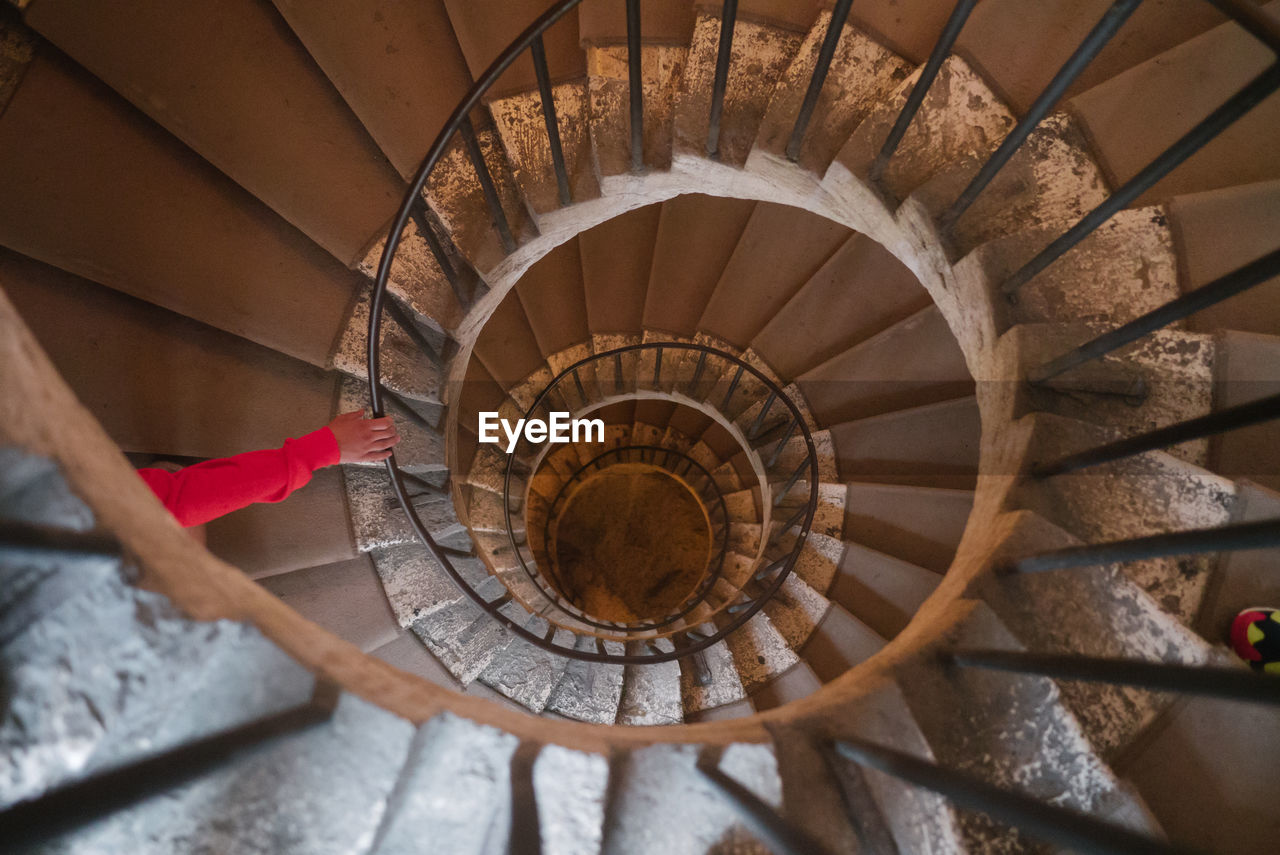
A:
(211, 489)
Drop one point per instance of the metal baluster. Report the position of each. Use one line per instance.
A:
(941, 49)
(733, 387)
(636, 86)
(1222, 421)
(617, 372)
(728, 17)
(657, 369)
(1218, 121)
(491, 200)
(791, 482)
(28, 540)
(539, 53)
(1263, 534)
(839, 14)
(774, 831)
(406, 323)
(762, 415)
(1092, 45)
(1229, 683)
(782, 443)
(1063, 827)
(1233, 283)
(419, 214)
(697, 373)
(74, 806)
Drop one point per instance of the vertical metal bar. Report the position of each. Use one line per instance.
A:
(941, 49)
(418, 213)
(782, 443)
(491, 200)
(1065, 828)
(1092, 45)
(1230, 683)
(617, 372)
(549, 117)
(728, 17)
(29, 540)
(697, 373)
(1215, 123)
(636, 84)
(1263, 534)
(73, 806)
(1232, 418)
(657, 368)
(775, 832)
(1241, 279)
(791, 482)
(763, 414)
(402, 319)
(839, 14)
(733, 387)
(577, 381)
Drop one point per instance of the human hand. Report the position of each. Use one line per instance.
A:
(362, 440)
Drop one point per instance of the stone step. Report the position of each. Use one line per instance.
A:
(617, 257)
(759, 652)
(651, 695)
(312, 528)
(709, 681)
(660, 802)
(1220, 231)
(345, 598)
(781, 248)
(1246, 370)
(912, 363)
(889, 813)
(960, 121)
(920, 525)
(408, 653)
(1245, 579)
(589, 691)
(881, 591)
(464, 637)
(1097, 611)
(377, 520)
(524, 673)
(1127, 132)
(697, 236)
(862, 73)
(570, 790)
(761, 54)
(798, 681)
(839, 642)
(860, 290)
(164, 226)
(905, 447)
(455, 784)
(1148, 494)
(416, 585)
(1007, 721)
(194, 73)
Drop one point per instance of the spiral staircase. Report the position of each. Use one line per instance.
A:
(961, 321)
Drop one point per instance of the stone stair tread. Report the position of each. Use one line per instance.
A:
(798, 681)
(914, 362)
(1128, 137)
(345, 598)
(660, 802)
(1245, 370)
(570, 790)
(312, 528)
(904, 447)
(796, 610)
(839, 642)
(462, 636)
(589, 691)
(1098, 611)
(882, 591)
(651, 695)
(920, 525)
(759, 651)
(1244, 579)
(525, 673)
(455, 784)
(722, 689)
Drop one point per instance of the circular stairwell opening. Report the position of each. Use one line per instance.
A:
(630, 543)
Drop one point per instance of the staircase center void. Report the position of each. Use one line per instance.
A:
(631, 544)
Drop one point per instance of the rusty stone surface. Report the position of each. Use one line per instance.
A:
(761, 53)
(523, 130)
(661, 72)
(862, 74)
